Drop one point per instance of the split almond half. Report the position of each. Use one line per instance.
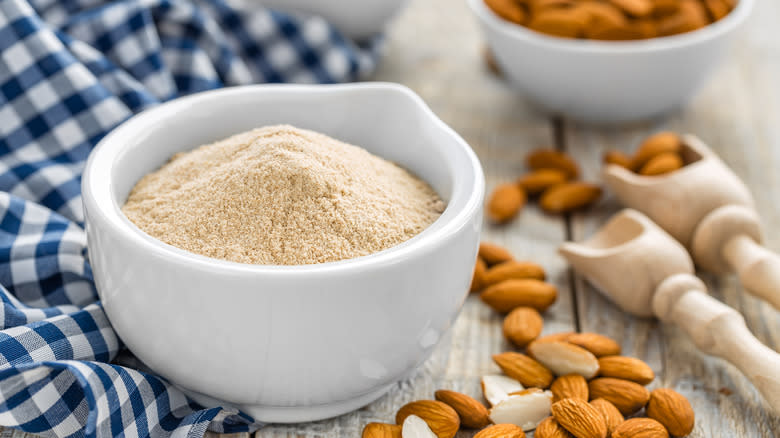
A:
(440, 417)
(501, 431)
(525, 410)
(497, 388)
(579, 418)
(416, 427)
(627, 396)
(472, 413)
(570, 386)
(564, 358)
(524, 369)
(382, 430)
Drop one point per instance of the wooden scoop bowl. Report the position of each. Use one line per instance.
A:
(646, 272)
(710, 211)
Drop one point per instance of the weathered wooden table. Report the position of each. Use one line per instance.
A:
(436, 49)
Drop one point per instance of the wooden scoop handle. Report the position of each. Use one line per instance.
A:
(719, 330)
(757, 267)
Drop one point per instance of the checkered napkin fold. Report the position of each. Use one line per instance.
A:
(70, 71)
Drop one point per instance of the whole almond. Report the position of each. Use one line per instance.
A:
(512, 269)
(524, 369)
(627, 368)
(627, 396)
(505, 202)
(564, 358)
(569, 386)
(472, 413)
(381, 430)
(549, 428)
(640, 428)
(671, 409)
(561, 336)
(579, 418)
(717, 9)
(501, 431)
(636, 8)
(602, 14)
(441, 418)
(563, 22)
(497, 388)
(525, 292)
(523, 325)
(566, 197)
(552, 159)
(662, 164)
(619, 158)
(540, 180)
(655, 145)
(612, 417)
(597, 344)
(477, 281)
(493, 254)
(526, 409)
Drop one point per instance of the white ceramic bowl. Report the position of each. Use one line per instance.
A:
(607, 81)
(357, 19)
(285, 343)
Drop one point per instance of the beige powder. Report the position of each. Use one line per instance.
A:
(282, 196)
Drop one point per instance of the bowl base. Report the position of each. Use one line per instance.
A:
(297, 414)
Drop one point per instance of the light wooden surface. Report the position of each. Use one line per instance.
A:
(436, 49)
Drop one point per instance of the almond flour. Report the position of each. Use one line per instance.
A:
(282, 196)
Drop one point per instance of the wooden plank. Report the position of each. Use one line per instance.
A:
(449, 73)
(736, 114)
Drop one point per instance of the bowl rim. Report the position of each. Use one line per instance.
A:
(110, 212)
(724, 25)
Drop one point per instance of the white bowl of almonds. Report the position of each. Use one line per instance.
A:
(609, 61)
(283, 271)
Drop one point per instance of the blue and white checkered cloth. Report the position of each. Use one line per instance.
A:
(70, 71)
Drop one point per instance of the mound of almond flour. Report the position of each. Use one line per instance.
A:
(282, 196)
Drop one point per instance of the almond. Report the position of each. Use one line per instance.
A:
(525, 410)
(562, 336)
(655, 145)
(442, 419)
(512, 269)
(626, 368)
(602, 14)
(549, 428)
(717, 9)
(522, 325)
(501, 431)
(564, 358)
(497, 388)
(381, 430)
(661, 164)
(640, 428)
(552, 159)
(579, 418)
(618, 158)
(612, 417)
(540, 180)
(416, 427)
(505, 202)
(524, 369)
(627, 396)
(472, 413)
(563, 22)
(671, 409)
(479, 273)
(637, 8)
(493, 254)
(597, 344)
(569, 386)
(665, 8)
(566, 197)
(525, 292)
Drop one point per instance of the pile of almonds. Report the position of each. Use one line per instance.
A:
(564, 385)
(553, 178)
(612, 19)
(657, 155)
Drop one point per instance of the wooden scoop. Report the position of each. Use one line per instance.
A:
(645, 271)
(710, 211)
